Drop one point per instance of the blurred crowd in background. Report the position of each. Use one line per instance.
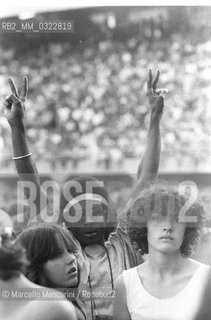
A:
(88, 102)
(87, 108)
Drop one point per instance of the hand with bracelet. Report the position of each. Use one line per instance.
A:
(14, 111)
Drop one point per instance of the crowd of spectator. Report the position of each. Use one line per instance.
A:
(89, 102)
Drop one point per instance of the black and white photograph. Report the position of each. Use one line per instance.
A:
(105, 160)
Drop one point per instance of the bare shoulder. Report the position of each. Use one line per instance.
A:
(38, 309)
(193, 265)
(62, 310)
(54, 305)
(54, 310)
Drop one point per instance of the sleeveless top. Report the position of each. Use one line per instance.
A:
(182, 306)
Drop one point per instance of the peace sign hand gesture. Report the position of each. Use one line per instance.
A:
(155, 97)
(14, 103)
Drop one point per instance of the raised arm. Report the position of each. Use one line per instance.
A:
(14, 110)
(148, 168)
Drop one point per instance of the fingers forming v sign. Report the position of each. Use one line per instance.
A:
(152, 91)
(13, 104)
(152, 84)
(24, 88)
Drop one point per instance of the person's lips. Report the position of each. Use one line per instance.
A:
(167, 238)
(91, 234)
(72, 272)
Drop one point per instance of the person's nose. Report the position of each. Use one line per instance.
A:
(168, 225)
(71, 261)
(70, 258)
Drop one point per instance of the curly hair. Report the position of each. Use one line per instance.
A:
(42, 243)
(165, 199)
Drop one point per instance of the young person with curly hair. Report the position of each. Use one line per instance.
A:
(169, 285)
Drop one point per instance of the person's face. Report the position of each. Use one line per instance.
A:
(62, 271)
(91, 228)
(165, 233)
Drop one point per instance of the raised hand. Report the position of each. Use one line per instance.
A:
(155, 96)
(14, 103)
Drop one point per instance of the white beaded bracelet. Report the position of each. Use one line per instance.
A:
(22, 157)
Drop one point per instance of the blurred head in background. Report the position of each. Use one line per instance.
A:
(13, 261)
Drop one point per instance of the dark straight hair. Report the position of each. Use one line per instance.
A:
(42, 243)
